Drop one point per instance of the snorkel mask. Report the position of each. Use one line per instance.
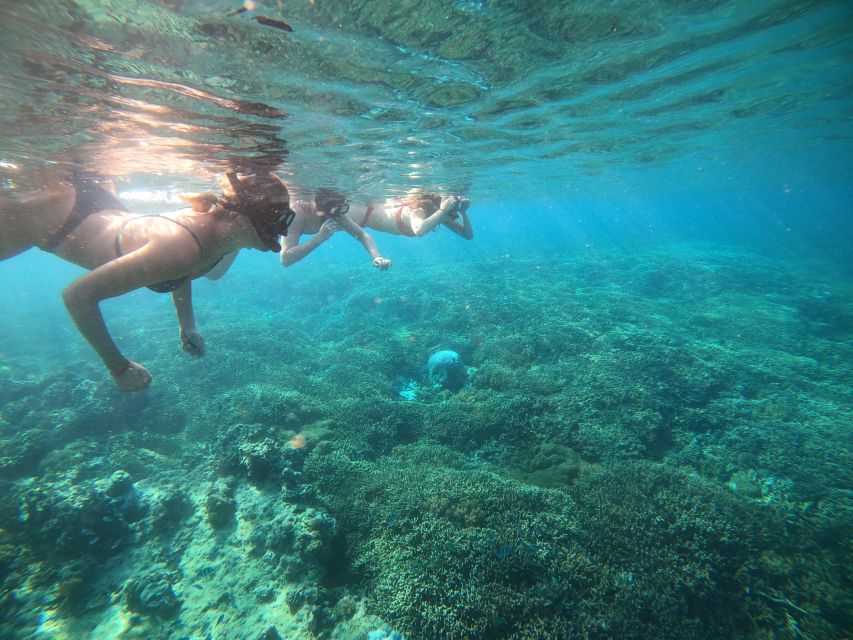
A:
(339, 210)
(331, 202)
(269, 219)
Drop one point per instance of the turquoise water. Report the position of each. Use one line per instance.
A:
(653, 439)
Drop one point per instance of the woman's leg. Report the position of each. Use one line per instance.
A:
(32, 219)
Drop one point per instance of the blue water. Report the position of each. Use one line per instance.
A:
(656, 316)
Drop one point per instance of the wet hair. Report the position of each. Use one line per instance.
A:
(429, 202)
(256, 187)
(264, 200)
(327, 199)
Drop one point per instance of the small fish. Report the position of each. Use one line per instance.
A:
(504, 552)
(270, 22)
(236, 12)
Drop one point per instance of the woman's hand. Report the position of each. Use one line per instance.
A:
(447, 203)
(327, 229)
(192, 342)
(135, 377)
(383, 264)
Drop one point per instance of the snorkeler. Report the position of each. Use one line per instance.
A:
(82, 222)
(418, 214)
(324, 215)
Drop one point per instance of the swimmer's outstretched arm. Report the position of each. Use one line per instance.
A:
(191, 340)
(292, 252)
(349, 225)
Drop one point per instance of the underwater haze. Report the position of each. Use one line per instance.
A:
(651, 432)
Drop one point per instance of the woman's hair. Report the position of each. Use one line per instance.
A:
(200, 202)
(256, 186)
(427, 202)
(326, 199)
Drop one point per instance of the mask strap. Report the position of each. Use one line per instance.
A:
(235, 183)
(286, 220)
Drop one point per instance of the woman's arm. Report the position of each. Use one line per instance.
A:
(292, 252)
(366, 240)
(146, 265)
(424, 226)
(463, 228)
(191, 340)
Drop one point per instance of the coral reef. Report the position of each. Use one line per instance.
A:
(460, 554)
(650, 445)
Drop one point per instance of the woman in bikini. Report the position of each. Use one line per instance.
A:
(417, 215)
(324, 215)
(82, 222)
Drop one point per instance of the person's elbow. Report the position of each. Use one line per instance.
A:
(287, 259)
(76, 297)
(69, 297)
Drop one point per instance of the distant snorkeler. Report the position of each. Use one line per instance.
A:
(82, 222)
(417, 214)
(323, 215)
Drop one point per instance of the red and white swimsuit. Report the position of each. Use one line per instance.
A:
(404, 226)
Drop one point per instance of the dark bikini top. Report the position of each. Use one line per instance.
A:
(167, 286)
(90, 197)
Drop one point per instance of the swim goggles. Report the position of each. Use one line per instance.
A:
(284, 216)
(339, 210)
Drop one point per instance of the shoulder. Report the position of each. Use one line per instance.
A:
(304, 209)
